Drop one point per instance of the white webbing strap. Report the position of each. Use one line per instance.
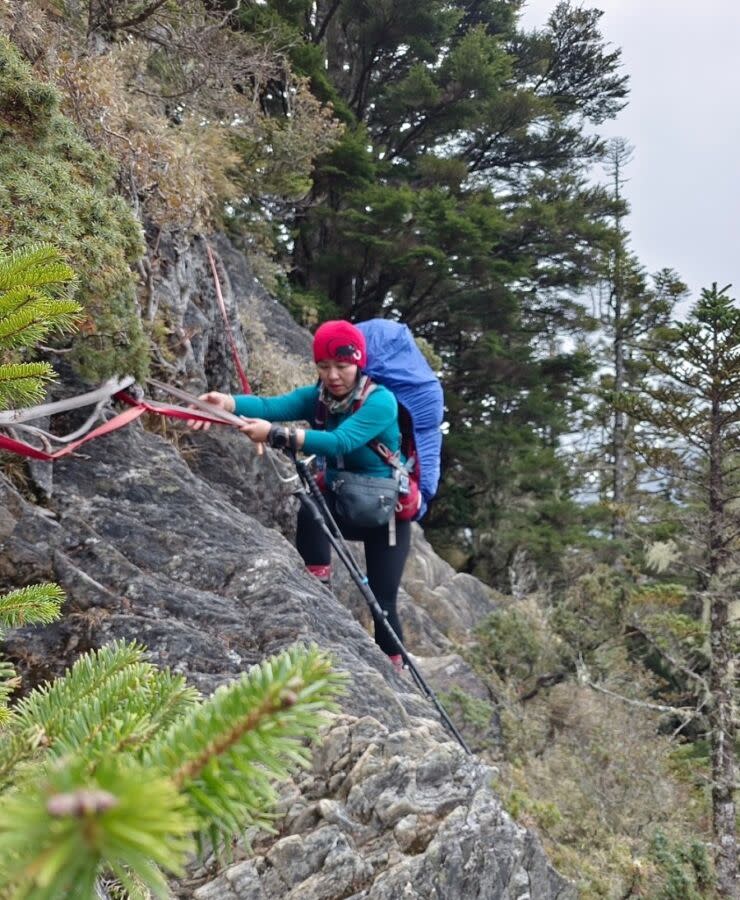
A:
(104, 392)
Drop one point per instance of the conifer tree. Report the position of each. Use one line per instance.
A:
(691, 412)
(118, 768)
(457, 200)
(628, 305)
(636, 303)
(618, 154)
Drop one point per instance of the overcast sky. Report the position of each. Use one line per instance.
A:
(683, 119)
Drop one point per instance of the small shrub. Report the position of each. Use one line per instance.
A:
(477, 717)
(516, 643)
(682, 869)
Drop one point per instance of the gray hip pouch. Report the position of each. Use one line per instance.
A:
(364, 501)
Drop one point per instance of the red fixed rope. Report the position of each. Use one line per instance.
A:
(136, 409)
(246, 389)
(24, 449)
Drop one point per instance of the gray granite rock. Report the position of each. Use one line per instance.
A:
(400, 815)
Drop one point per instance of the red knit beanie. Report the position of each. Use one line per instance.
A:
(341, 341)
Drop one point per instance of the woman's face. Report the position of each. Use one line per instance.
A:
(337, 377)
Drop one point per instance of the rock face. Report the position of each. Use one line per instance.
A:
(183, 544)
(377, 820)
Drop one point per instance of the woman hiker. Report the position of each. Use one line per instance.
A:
(340, 355)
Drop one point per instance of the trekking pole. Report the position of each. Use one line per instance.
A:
(314, 502)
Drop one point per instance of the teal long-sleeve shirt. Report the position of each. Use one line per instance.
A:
(346, 436)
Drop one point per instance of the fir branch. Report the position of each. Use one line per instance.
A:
(28, 324)
(22, 384)
(17, 297)
(97, 685)
(117, 665)
(225, 756)
(60, 312)
(133, 815)
(23, 372)
(39, 603)
(61, 832)
(169, 698)
(124, 722)
(9, 681)
(35, 283)
(36, 265)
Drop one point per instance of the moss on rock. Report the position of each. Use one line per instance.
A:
(55, 187)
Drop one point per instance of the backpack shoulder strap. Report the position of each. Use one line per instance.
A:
(320, 413)
(392, 459)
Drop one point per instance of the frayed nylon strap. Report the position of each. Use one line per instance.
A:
(136, 409)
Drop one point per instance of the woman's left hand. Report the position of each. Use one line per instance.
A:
(257, 430)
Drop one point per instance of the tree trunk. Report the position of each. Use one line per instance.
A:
(620, 428)
(620, 156)
(723, 749)
(721, 672)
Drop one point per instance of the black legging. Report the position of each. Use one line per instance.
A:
(384, 563)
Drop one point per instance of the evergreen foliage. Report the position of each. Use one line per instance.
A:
(685, 869)
(631, 306)
(37, 603)
(206, 126)
(620, 656)
(34, 300)
(691, 409)
(116, 766)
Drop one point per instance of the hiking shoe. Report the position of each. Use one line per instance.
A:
(323, 573)
(396, 661)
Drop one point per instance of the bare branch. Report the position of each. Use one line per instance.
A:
(677, 664)
(146, 13)
(688, 712)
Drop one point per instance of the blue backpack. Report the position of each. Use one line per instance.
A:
(396, 362)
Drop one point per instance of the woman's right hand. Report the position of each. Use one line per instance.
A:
(217, 399)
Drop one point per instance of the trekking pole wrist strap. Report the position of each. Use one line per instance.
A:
(282, 438)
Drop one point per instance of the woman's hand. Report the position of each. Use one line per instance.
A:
(257, 430)
(277, 436)
(217, 399)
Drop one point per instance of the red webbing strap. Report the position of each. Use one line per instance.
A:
(137, 408)
(24, 449)
(230, 335)
(172, 412)
(176, 412)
